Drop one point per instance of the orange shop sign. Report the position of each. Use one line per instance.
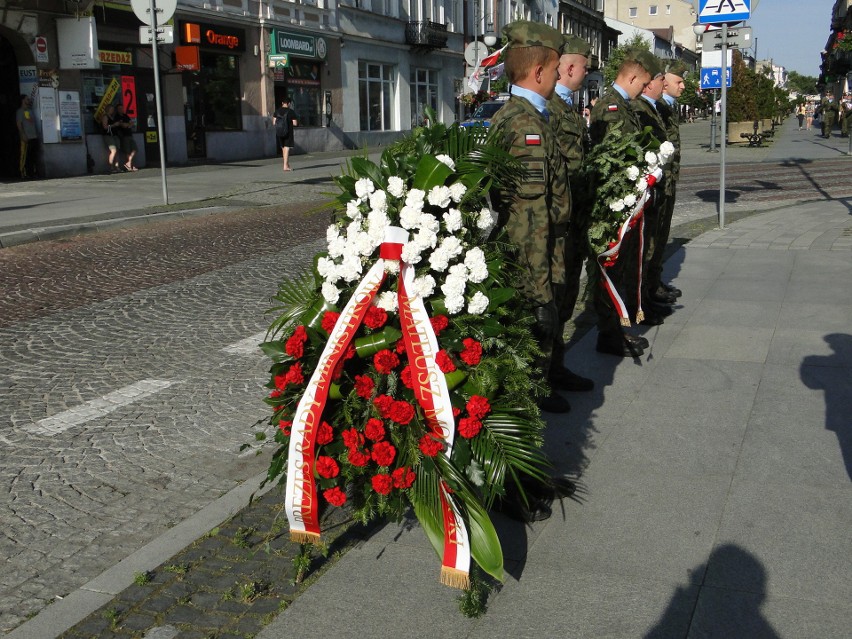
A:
(115, 57)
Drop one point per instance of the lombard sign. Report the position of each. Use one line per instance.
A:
(213, 36)
(299, 44)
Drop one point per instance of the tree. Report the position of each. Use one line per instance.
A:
(801, 84)
(616, 56)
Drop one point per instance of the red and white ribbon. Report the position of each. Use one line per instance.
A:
(430, 389)
(634, 220)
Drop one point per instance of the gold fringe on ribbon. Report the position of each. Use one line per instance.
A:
(304, 537)
(455, 578)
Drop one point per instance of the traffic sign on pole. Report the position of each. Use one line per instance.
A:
(723, 11)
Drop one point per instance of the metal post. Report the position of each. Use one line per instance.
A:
(158, 98)
(723, 142)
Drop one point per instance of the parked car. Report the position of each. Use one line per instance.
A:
(484, 112)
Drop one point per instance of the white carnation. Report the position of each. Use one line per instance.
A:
(446, 159)
(632, 173)
(386, 301)
(396, 186)
(457, 191)
(423, 286)
(439, 196)
(476, 265)
(330, 292)
(454, 304)
(364, 187)
(411, 252)
(478, 303)
(617, 206)
(629, 200)
(453, 220)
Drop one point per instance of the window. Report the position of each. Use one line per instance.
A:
(632, 12)
(424, 92)
(652, 10)
(375, 93)
(220, 77)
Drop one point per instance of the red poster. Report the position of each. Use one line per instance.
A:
(128, 96)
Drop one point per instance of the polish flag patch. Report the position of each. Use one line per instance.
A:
(533, 139)
(612, 107)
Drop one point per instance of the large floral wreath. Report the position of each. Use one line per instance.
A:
(402, 369)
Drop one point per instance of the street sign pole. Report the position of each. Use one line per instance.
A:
(159, 99)
(723, 143)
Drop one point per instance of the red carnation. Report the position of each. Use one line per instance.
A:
(469, 427)
(383, 453)
(374, 429)
(385, 361)
(364, 386)
(327, 467)
(334, 496)
(295, 346)
(382, 483)
(285, 426)
(478, 407)
(352, 439)
(375, 317)
(357, 458)
(403, 477)
(329, 320)
(405, 376)
(472, 352)
(439, 323)
(325, 434)
(401, 412)
(444, 362)
(430, 446)
(383, 404)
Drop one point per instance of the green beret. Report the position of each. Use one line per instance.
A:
(573, 44)
(523, 33)
(646, 60)
(677, 67)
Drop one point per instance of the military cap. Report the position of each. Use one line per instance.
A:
(646, 60)
(677, 67)
(523, 33)
(575, 45)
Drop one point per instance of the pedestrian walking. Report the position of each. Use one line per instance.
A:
(28, 136)
(285, 121)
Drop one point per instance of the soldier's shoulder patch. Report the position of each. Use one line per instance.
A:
(612, 107)
(532, 139)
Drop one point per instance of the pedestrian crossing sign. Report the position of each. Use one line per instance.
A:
(723, 11)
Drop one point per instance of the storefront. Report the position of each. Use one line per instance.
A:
(298, 61)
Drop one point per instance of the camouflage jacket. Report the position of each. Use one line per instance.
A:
(609, 109)
(536, 214)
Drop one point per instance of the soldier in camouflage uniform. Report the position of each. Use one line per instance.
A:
(613, 108)
(536, 214)
(572, 136)
(669, 110)
(647, 110)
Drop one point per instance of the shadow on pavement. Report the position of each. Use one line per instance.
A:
(830, 373)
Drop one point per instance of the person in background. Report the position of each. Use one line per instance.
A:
(28, 134)
(285, 121)
(109, 125)
(125, 137)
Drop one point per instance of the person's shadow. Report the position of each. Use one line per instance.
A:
(831, 373)
(721, 599)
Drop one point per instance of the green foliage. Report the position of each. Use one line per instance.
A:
(616, 56)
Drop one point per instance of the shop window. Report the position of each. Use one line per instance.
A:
(220, 76)
(424, 92)
(375, 92)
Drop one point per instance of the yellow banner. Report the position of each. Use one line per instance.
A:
(109, 94)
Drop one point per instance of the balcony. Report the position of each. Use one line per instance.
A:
(427, 35)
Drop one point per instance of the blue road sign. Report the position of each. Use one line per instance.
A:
(722, 11)
(711, 77)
